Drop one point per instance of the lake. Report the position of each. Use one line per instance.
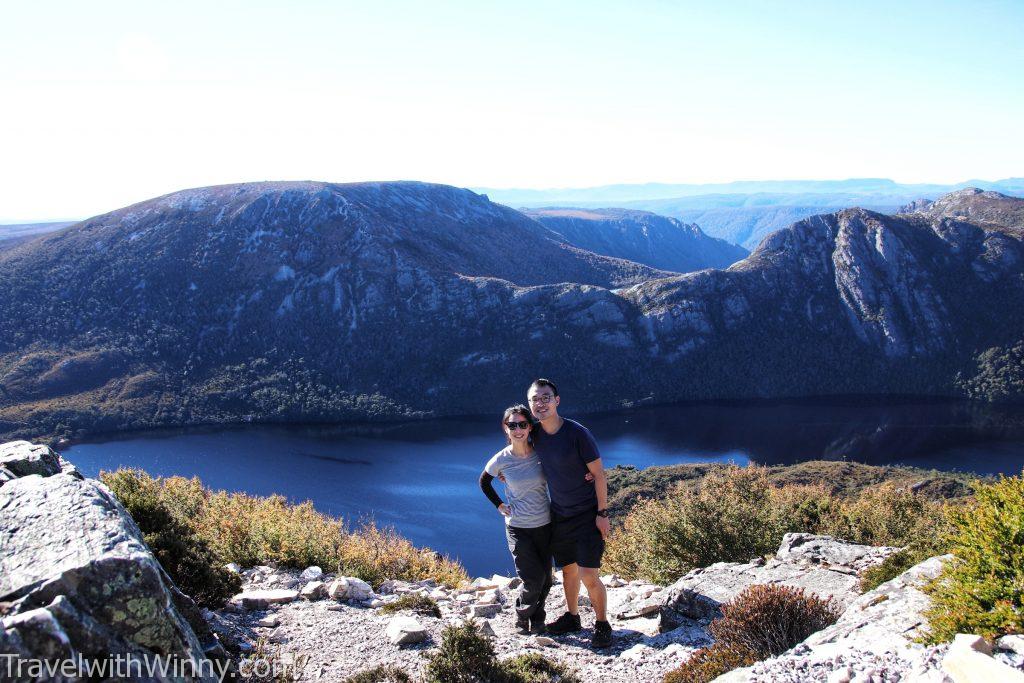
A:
(421, 477)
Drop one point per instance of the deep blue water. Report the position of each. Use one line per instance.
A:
(422, 477)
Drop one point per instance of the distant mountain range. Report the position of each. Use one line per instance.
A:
(745, 212)
(323, 302)
(640, 236)
(13, 234)
(616, 195)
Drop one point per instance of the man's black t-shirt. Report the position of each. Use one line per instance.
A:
(563, 457)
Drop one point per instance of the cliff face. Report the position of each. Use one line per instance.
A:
(310, 301)
(641, 236)
(78, 582)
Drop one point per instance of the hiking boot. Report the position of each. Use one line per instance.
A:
(567, 623)
(537, 626)
(602, 634)
(522, 626)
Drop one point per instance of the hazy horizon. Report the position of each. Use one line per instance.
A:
(568, 189)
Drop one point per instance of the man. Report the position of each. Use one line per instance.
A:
(579, 512)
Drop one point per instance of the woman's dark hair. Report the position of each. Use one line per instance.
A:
(518, 409)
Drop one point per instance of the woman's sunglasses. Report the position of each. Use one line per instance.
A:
(518, 425)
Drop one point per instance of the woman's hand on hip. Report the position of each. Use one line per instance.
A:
(505, 510)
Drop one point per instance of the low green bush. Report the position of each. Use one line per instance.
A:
(760, 622)
(536, 668)
(884, 515)
(186, 557)
(981, 590)
(413, 602)
(727, 518)
(466, 656)
(266, 664)
(768, 620)
(738, 513)
(384, 673)
(897, 563)
(709, 663)
(195, 531)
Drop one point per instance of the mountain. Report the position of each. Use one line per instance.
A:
(322, 302)
(640, 236)
(745, 212)
(14, 234)
(973, 205)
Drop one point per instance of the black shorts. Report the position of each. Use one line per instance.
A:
(577, 540)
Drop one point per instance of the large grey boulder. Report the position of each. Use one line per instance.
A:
(876, 632)
(21, 459)
(77, 580)
(822, 565)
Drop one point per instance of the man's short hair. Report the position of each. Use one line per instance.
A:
(545, 383)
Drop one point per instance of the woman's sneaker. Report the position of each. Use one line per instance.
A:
(602, 634)
(567, 623)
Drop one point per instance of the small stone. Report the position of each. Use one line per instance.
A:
(484, 611)
(338, 590)
(260, 599)
(842, 675)
(540, 642)
(313, 573)
(971, 642)
(486, 629)
(636, 653)
(1012, 643)
(612, 581)
(403, 630)
(233, 567)
(674, 650)
(314, 590)
(482, 584)
(358, 589)
(270, 621)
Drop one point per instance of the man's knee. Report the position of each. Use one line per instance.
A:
(570, 571)
(590, 577)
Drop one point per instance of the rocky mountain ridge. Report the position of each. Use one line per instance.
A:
(317, 302)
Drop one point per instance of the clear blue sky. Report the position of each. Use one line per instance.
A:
(106, 103)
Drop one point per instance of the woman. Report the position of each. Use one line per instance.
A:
(527, 515)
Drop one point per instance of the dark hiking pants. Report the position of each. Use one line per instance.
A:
(532, 554)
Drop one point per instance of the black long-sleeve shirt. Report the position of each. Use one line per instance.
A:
(488, 488)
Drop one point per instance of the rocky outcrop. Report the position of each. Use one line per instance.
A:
(821, 565)
(974, 206)
(77, 582)
(21, 459)
(876, 639)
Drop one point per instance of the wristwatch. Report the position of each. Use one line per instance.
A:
(602, 513)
